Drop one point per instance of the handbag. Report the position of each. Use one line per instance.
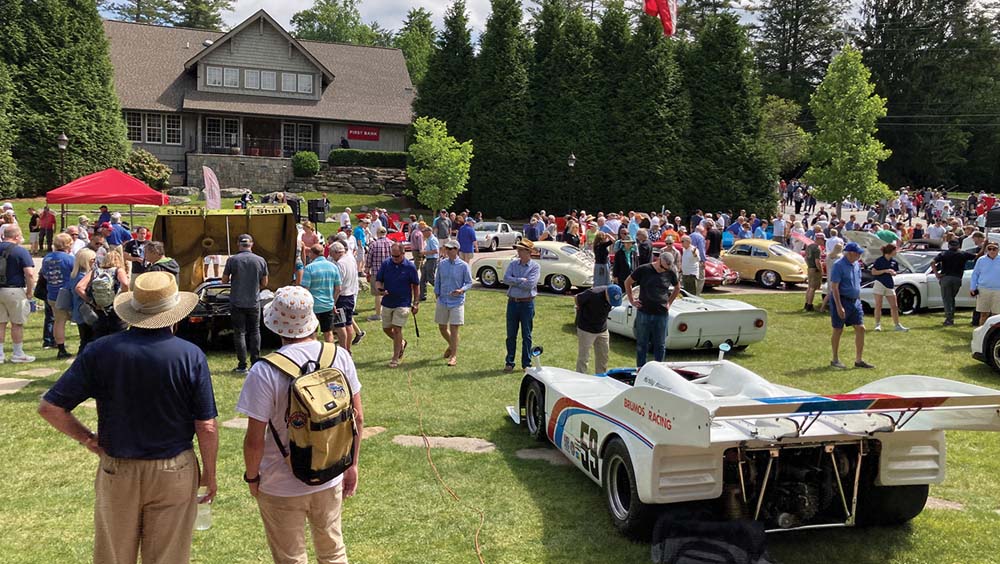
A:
(88, 314)
(64, 300)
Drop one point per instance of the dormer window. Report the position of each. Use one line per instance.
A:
(232, 78)
(213, 76)
(305, 84)
(288, 82)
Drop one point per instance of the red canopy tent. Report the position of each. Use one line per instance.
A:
(109, 186)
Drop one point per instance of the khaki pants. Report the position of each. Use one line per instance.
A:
(601, 344)
(146, 505)
(286, 536)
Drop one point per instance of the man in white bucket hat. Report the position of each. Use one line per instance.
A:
(154, 392)
(284, 501)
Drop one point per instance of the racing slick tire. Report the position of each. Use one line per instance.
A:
(769, 279)
(488, 277)
(630, 516)
(881, 506)
(908, 299)
(534, 410)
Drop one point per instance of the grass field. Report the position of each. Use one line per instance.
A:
(534, 512)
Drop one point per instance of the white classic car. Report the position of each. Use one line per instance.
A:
(562, 267)
(491, 235)
(915, 285)
(696, 323)
(986, 342)
(714, 433)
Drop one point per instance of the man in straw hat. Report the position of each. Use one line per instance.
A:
(148, 474)
(521, 278)
(285, 501)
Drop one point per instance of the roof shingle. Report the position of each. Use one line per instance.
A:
(371, 84)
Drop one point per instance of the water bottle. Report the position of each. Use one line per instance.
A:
(203, 521)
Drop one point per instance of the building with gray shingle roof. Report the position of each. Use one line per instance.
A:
(254, 91)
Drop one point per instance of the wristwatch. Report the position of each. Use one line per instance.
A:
(90, 437)
(251, 480)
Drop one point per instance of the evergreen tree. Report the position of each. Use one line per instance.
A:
(157, 12)
(446, 88)
(338, 21)
(416, 40)
(786, 141)
(202, 14)
(845, 152)
(727, 160)
(656, 109)
(500, 114)
(567, 118)
(692, 15)
(795, 43)
(613, 62)
(8, 170)
(63, 84)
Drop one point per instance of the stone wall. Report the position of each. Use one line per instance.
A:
(260, 174)
(353, 180)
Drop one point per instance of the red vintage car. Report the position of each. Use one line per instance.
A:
(716, 271)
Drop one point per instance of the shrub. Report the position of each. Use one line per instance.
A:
(146, 167)
(305, 163)
(357, 157)
(441, 164)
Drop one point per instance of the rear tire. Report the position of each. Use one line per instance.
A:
(908, 299)
(890, 505)
(494, 244)
(488, 277)
(991, 353)
(629, 514)
(769, 279)
(534, 411)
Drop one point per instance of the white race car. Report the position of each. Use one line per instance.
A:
(716, 434)
(986, 342)
(696, 323)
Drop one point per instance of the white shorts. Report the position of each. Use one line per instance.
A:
(213, 259)
(444, 315)
(14, 306)
(33, 237)
(988, 301)
(394, 316)
(880, 290)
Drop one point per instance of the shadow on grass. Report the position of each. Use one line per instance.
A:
(875, 545)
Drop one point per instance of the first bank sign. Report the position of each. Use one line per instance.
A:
(362, 133)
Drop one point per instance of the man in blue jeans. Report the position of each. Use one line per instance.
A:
(521, 277)
(247, 274)
(845, 307)
(658, 288)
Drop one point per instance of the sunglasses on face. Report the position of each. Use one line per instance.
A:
(397, 256)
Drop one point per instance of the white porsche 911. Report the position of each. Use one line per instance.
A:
(714, 438)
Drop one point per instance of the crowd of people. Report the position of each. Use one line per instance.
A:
(108, 278)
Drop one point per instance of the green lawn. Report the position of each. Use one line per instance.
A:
(535, 512)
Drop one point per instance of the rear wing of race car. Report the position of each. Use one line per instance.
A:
(916, 403)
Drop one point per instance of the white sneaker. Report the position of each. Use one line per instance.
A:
(2, 359)
(878, 327)
(901, 328)
(22, 359)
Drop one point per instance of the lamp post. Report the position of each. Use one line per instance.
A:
(62, 142)
(571, 161)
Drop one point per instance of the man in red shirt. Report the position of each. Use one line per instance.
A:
(46, 228)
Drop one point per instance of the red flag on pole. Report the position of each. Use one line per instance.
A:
(213, 194)
(667, 11)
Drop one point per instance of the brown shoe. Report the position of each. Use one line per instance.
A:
(508, 368)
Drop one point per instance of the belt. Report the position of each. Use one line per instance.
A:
(522, 300)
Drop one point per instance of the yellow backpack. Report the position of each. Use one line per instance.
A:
(319, 418)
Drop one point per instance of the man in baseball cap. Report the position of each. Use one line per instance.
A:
(247, 274)
(845, 294)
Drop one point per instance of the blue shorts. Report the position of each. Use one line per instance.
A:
(853, 314)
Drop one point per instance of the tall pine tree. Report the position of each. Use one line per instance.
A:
(157, 12)
(338, 21)
(202, 14)
(500, 114)
(416, 40)
(63, 84)
(445, 91)
(613, 61)
(8, 170)
(727, 161)
(795, 43)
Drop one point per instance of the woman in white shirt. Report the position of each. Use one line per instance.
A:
(689, 266)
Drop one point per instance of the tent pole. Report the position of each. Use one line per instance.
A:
(62, 217)
(131, 218)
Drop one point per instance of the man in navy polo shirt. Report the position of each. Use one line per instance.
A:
(845, 289)
(467, 244)
(398, 284)
(154, 393)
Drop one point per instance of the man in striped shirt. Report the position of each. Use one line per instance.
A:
(378, 252)
(322, 279)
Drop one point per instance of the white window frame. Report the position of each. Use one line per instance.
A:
(231, 78)
(269, 76)
(152, 125)
(177, 127)
(288, 82)
(251, 79)
(305, 83)
(131, 126)
(209, 72)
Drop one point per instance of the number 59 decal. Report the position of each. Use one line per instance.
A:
(588, 448)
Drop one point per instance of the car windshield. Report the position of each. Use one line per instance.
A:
(915, 262)
(576, 253)
(485, 227)
(783, 251)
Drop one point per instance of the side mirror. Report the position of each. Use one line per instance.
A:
(723, 349)
(536, 356)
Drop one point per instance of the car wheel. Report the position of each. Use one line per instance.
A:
(769, 279)
(517, 240)
(559, 283)
(494, 244)
(992, 351)
(488, 277)
(890, 505)
(908, 299)
(534, 409)
(630, 515)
